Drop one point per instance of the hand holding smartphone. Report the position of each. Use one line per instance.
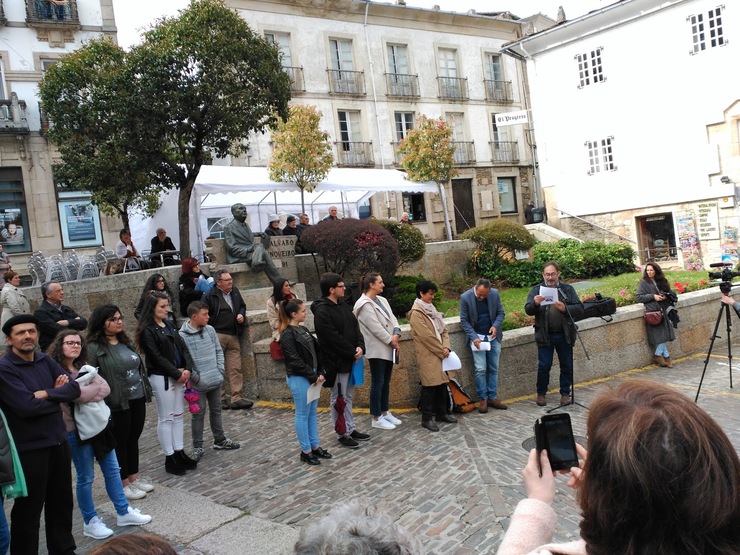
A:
(554, 433)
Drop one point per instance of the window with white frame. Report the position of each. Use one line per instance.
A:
(2, 78)
(341, 54)
(349, 127)
(457, 123)
(706, 30)
(447, 62)
(282, 41)
(600, 155)
(590, 70)
(398, 59)
(404, 124)
(494, 67)
(507, 194)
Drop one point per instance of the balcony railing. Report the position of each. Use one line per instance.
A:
(402, 84)
(297, 84)
(505, 152)
(498, 91)
(464, 152)
(13, 116)
(346, 82)
(46, 12)
(453, 88)
(44, 119)
(355, 154)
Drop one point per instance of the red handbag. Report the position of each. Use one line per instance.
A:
(276, 351)
(653, 318)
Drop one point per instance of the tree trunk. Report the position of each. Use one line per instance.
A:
(183, 215)
(303, 203)
(123, 212)
(443, 194)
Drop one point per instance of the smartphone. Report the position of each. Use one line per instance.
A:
(396, 356)
(555, 433)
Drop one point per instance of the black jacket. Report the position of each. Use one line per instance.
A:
(159, 348)
(298, 360)
(187, 293)
(214, 306)
(49, 315)
(573, 304)
(338, 332)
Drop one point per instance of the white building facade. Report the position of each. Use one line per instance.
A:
(635, 108)
(34, 215)
(372, 69)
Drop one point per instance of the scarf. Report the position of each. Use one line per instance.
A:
(434, 315)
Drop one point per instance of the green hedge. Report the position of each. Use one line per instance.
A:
(401, 293)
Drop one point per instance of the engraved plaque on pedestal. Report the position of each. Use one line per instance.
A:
(282, 251)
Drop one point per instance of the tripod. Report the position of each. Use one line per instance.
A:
(585, 351)
(726, 309)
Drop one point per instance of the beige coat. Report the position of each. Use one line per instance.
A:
(429, 345)
(273, 316)
(14, 303)
(376, 326)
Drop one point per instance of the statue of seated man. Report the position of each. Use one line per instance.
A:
(240, 243)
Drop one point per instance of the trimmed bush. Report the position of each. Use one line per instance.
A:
(411, 244)
(401, 293)
(586, 260)
(501, 238)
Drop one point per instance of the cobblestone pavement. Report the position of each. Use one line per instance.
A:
(454, 489)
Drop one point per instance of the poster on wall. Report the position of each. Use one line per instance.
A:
(689, 243)
(14, 230)
(729, 245)
(80, 223)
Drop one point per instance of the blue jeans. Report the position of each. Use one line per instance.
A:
(306, 421)
(84, 461)
(486, 371)
(545, 355)
(380, 385)
(661, 350)
(4, 530)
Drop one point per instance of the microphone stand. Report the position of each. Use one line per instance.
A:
(585, 351)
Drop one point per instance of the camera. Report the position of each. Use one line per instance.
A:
(725, 276)
(554, 433)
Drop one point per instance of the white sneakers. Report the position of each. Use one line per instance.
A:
(144, 486)
(384, 423)
(133, 492)
(392, 419)
(133, 518)
(97, 529)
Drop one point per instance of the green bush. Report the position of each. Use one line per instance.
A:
(411, 244)
(586, 260)
(501, 238)
(566, 253)
(521, 273)
(401, 293)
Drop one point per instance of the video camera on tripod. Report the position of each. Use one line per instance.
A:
(725, 276)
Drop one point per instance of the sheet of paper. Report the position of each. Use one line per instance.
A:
(452, 362)
(482, 346)
(313, 393)
(550, 294)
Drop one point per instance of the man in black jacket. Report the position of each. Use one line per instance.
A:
(341, 345)
(554, 331)
(228, 316)
(32, 386)
(53, 316)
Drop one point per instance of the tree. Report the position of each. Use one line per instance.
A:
(196, 87)
(79, 95)
(411, 244)
(301, 151)
(427, 154)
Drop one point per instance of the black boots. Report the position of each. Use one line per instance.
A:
(429, 425)
(186, 461)
(173, 465)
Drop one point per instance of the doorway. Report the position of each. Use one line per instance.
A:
(462, 200)
(657, 238)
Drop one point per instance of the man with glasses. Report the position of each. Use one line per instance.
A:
(228, 316)
(53, 316)
(554, 331)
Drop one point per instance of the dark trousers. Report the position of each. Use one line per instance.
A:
(545, 355)
(127, 427)
(48, 474)
(380, 385)
(434, 401)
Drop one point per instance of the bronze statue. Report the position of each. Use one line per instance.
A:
(241, 246)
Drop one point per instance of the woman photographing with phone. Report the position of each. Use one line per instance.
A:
(660, 477)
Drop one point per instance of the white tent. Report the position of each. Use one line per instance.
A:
(223, 186)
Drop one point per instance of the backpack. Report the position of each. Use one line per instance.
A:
(460, 401)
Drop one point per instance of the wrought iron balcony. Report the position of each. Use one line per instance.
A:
(402, 84)
(13, 116)
(498, 91)
(464, 152)
(355, 154)
(44, 119)
(505, 152)
(297, 84)
(43, 13)
(453, 88)
(346, 82)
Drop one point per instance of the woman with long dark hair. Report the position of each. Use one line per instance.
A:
(158, 283)
(660, 476)
(191, 274)
(280, 292)
(112, 351)
(652, 291)
(169, 367)
(381, 332)
(68, 349)
(303, 368)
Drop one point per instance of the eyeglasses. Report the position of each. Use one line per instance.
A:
(115, 320)
(72, 343)
(230, 279)
(343, 286)
(550, 274)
